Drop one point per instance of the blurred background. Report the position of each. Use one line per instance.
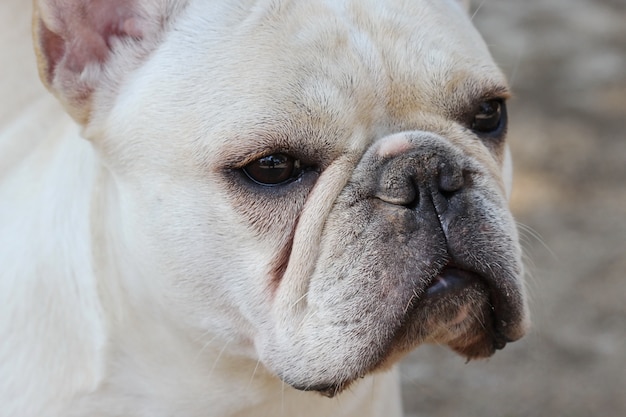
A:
(566, 61)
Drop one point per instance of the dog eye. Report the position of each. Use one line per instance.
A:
(490, 116)
(273, 169)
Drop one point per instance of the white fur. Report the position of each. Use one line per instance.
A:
(128, 286)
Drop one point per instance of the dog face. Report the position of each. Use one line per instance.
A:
(318, 184)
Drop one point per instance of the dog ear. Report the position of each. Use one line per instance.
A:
(83, 45)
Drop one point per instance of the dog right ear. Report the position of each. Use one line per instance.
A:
(78, 44)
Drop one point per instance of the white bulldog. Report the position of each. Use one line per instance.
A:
(257, 202)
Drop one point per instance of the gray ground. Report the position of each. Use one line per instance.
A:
(566, 60)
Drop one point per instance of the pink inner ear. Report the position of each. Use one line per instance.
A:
(52, 47)
(84, 30)
(86, 46)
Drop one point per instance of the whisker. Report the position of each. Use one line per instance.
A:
(254, 372)
(414, 296)
(204, 346)
(477, 9)
(516, 66)
(529, 232)
(299, 299)
(219, 355)
(282, 398)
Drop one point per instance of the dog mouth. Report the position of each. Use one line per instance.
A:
(450, 280)
(459, 308)
(466, 297)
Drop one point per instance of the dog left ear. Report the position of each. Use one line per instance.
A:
(76, 43)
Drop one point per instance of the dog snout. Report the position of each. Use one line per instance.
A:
(422, 178)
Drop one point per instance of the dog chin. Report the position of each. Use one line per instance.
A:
(457, 309)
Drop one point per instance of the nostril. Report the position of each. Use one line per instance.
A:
(395, 186)
(451, 179)
(404, 180)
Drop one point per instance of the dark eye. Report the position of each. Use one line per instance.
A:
(489, 117)
(273, 169)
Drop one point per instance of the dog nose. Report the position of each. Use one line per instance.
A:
(415, 178)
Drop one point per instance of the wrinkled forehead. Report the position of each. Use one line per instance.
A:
(321, 65)
(427, 43)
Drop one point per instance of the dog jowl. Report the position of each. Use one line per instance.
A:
(257, 202)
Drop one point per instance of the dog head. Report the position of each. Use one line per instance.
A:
(321, 184)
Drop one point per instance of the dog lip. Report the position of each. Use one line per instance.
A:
(451, 279)
(327, 390)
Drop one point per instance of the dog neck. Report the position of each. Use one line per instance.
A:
(52, 327)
